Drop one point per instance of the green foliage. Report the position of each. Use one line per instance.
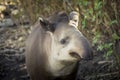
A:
(99, 19)
(98, 4)
(115, 36)
(83, 2)
(96, 38)
(84, 23)
(113, 22)
(107, 47)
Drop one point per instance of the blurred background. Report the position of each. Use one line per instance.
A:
(99, 22)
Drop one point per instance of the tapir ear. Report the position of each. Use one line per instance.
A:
(74, 18)
(46, 25)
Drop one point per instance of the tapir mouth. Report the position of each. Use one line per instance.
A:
(75, 55)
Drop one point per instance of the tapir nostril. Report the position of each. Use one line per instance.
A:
(75, 55)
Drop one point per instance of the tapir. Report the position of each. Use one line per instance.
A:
(54, 48)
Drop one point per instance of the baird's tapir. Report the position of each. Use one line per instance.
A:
(55, 47)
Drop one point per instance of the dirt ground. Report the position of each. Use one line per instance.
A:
(12, 60)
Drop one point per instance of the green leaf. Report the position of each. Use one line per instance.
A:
(98, 5)
(100, 48)
(94, 18)
(83, 23)
(96, 38)
(113, 22)
(85, 3)
(115, 36)
(109, 52)
(108, 45)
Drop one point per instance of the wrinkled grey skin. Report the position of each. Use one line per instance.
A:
(54, 49)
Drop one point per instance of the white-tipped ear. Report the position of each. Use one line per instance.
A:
(40, 19)
(74, 19)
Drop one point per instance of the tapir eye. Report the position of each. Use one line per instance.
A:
(64, 41)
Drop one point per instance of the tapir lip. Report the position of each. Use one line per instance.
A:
(79, 57)
(75, 55)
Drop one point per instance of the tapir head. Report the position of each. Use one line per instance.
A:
(64, 43)
(67, 42)
(55, 46)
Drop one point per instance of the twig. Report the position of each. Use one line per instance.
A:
(102, 75)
